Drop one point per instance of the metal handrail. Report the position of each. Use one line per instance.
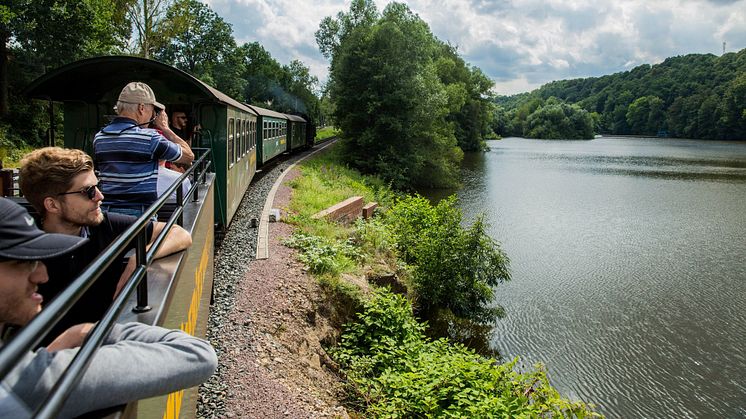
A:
(31, 334)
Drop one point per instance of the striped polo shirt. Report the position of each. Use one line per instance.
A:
(126, 157)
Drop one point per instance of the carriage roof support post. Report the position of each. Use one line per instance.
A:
(50, 139)
(142, 288)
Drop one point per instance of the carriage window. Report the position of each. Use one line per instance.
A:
(253, 133)
(243, 137)
(237, 142)
(231, 137)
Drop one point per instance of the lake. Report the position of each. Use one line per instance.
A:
(628, 258)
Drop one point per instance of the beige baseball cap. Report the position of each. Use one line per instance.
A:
(139, 92)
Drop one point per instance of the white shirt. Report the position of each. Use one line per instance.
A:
(166, 178)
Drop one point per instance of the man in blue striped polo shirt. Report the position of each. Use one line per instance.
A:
(127, 151)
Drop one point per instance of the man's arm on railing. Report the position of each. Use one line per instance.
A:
(137, 361)
(177, 240)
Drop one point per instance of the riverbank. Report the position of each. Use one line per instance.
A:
(273, 340)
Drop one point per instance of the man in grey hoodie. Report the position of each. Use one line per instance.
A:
(136, 361)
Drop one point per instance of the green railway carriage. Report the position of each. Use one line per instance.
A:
(89, 89)
(271, 134)
(176, 292)
(296, 132)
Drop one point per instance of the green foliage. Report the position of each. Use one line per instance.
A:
(323, 256)
(375, 239)
(396, 372)
(269, 84)
(692, 96)
(326, 133)
(557, 120)
(404, 116)
(454, 268)
(645, 115)
(198, 39)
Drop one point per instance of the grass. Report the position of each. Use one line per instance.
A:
(11, 158)
(331, 250)
(326, 133)
(325, 182)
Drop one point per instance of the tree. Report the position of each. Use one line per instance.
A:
(300, 88)
(199, 39)
(695, 96)
(390, 106)
(332, 32)
(558, 120)
(733, 109)
(454, 267)
(262, 74)
(645, 115)
(148, 17)
(43, 34)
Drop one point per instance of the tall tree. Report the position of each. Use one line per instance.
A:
(391, 106)
(42, 34)
(199, 38)
(332, 32)
(262, 74)
(148, 17)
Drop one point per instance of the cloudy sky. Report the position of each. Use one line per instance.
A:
(520, 44)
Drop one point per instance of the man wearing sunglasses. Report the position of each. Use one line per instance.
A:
(136, 361)
(61, 186)
(127, 151)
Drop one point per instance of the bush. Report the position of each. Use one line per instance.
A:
(454, 268)
(323, 256)
(395, 371)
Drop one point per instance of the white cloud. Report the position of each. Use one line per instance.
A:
(520, 44)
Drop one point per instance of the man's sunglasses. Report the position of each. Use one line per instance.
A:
(89, 191)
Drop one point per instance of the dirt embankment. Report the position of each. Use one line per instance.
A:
(274, 365)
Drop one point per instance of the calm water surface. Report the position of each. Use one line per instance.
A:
(629, 268)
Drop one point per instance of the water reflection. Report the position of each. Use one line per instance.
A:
(628, 268)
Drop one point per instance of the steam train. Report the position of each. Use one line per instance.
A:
(234, 142)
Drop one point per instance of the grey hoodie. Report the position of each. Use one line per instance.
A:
(135, 362)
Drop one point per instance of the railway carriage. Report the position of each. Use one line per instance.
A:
(296, 132)
(238, 138)
(89, 89)
(271, 134)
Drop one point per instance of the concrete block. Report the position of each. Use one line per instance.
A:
(274, 215)
(369, 209)
(345, 212)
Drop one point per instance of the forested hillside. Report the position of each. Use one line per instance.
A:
(692, 96)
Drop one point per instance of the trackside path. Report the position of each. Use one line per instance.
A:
(263, 323)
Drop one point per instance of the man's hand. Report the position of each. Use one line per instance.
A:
(161, 121)
(71, 338)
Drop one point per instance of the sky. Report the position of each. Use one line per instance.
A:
(519, 44)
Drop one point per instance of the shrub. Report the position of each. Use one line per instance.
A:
(455, 268)
(395, 371)
(323, 256)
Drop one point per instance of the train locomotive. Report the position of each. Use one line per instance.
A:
(235, 141)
